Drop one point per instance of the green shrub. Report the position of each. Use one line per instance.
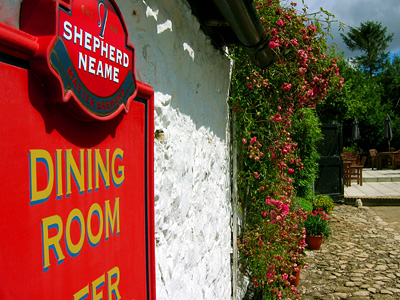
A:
(304, 204)
(324, 203)
(307, 133)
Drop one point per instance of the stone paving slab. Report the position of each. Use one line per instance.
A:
(360, 261)
(380, 187)
(374, 189)
(370, 175)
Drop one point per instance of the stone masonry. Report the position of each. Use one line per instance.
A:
(360, 261)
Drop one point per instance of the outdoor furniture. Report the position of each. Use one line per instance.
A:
(383, 154)
(374, 158)
(350, 156)
(396, 161)
(346, 172)
(356, 171)
(346, 154)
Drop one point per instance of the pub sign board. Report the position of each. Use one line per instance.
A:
(77, 147)
(83, 45)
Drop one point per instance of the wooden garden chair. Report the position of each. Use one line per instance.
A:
(374, 158)
(356, 171)
(346, 172)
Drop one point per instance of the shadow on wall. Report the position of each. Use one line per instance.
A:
(55, 117)
(9, 12)
(177, 59)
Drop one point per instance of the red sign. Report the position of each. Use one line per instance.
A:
(88, 52)
(77, 216)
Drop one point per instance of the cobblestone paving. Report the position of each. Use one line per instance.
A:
(360, 261)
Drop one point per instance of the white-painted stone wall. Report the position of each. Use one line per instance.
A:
(192, 164)
(9, 12)
(192, 174)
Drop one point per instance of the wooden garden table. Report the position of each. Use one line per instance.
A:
(382, 154)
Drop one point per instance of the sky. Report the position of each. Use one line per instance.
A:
(353, 12)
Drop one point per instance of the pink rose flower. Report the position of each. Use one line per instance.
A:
(286, 86)
(273, 45)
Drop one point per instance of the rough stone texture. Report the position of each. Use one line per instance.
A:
(192, 163)
(359, 261)
(192, 213)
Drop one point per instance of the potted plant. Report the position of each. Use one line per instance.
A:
(317, 227)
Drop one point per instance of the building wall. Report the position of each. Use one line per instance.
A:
(192, 174)
(9, 12)
(192, 157)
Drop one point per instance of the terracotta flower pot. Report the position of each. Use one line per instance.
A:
(314, 242)
(296, 280)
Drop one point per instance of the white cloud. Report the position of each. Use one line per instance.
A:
(353, 12)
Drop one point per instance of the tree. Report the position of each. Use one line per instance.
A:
(362, 98)
(390, 81)
(372, 39)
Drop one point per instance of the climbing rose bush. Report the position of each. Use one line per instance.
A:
(264, 103)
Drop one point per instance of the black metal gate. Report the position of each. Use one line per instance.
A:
(330, 180)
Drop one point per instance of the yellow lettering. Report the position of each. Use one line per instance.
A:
(89, 171)
(96, 284)
(52, 231)
(59, 173)
(97, 289)
(113, 275)
(74, 249)
(72, 169)
(51, 242)
(111, 219)
(101, 169)
(118, 153)
(82, 294)
(37, 155)
(94, 239)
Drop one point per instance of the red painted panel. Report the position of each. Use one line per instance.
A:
(44, 152)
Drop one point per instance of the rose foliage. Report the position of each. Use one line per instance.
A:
(265, 103)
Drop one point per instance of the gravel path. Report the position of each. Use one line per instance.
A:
(360, 261)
